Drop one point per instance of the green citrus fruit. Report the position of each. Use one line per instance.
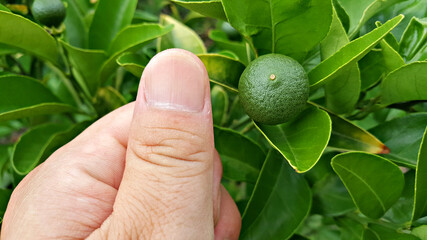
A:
(48, 12)
(273, 89)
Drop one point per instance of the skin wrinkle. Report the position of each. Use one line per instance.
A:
(134, 219)
(67, 183)
(161, 209)
(167, 186)
(179, 171)
(161, 134)
(173, 130)
(164, 148)
(149, 154)
(109, 170)
(115, 185)
(98, 200)
(158, 132)
(98, 197)
(85, 186)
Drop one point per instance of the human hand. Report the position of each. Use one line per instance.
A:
(148, 170)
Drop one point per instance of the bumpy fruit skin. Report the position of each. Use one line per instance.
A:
(48, 12)
(273, 89)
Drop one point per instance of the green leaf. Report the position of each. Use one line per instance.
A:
(413, 45)
(6, 49)
(390, 39)
(110, 17)
(401, 211)
(298, 237)
(108, 99)
(132, 62)
(392, 59)
(407, 83)
(420, 232)
(336, 38)
(4, 154)
(62, 89)
(84, 6)
(342, 14)
(389, 46)
(4, 200)
(361, 11)
(420, 199)
(403, 137)
(130, 38)
(26, 97)
(349, 137)
(378, 63)
(372, 68)
(325, 231)
(21, 33)
(209, 8)
(373, 182)
(76, 31)
(350, 229)
(389, 233)
(281, 196)
(136, 36)
(3, 8)
(237, 114)
(6, 177)
(241, 157)
(238, 48)
(141, 16)
(228, 54)
(411, 8)
(302, 140)
(341, 92)
(331, 197)
(322, 169)
(284, 27)
(368, 234)
(181, 36)
(222, 70)
(350, 53)
(220, 104)
(30, 147)
(87, 64)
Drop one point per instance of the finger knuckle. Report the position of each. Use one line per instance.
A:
(170, 146)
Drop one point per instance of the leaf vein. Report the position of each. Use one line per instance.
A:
(367, 185)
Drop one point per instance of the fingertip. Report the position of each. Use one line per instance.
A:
(175, 79)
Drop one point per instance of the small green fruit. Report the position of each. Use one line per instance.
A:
(273, 89)
(49, 12)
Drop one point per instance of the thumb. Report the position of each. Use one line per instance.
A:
(166, 191)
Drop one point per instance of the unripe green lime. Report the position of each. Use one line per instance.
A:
(48, 12)
(273, 89)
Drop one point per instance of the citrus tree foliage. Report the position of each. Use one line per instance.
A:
(351, 165)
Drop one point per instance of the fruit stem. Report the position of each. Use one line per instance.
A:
(66, 82)
(252, 47)
(248, 127)
(248, 52)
